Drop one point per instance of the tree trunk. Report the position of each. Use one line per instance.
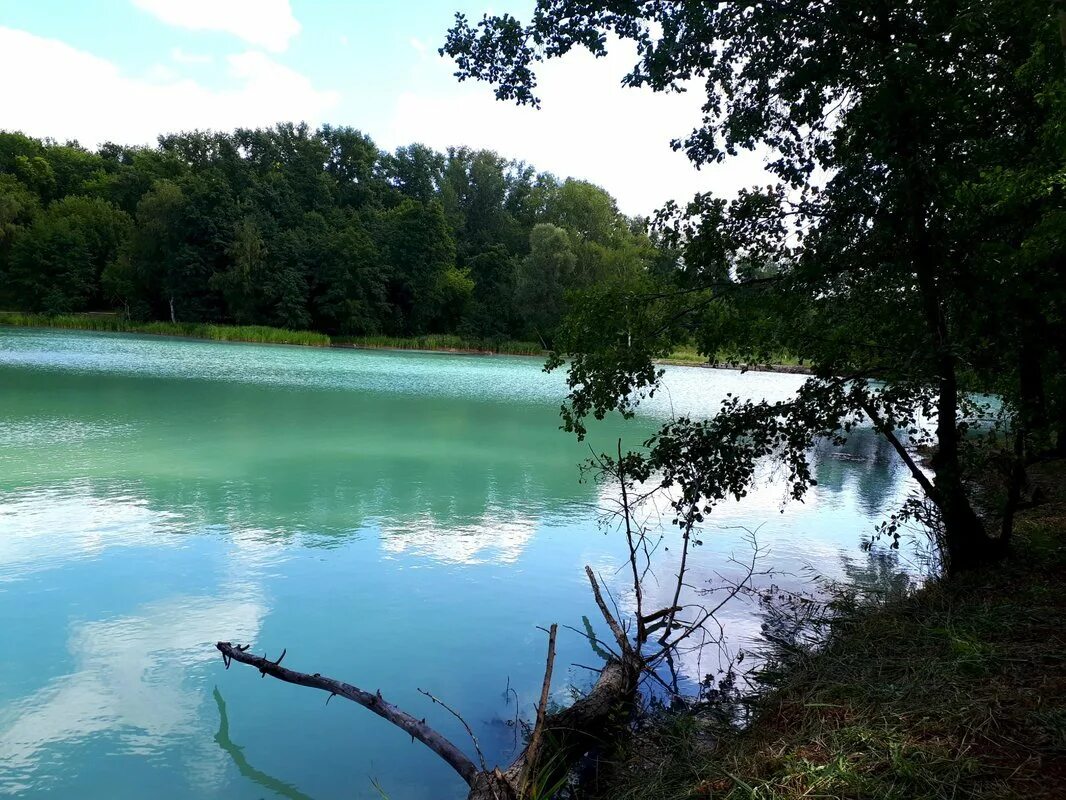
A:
(1031, 384)
(568, 734)
(965, 540)
(172, 317)
(965, 537)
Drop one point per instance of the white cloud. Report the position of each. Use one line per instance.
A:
(264, 23)
(493, 539)
(130, 675)
(183, 57)
(67, 93)
(589, 127)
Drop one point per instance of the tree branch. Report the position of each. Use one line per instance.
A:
(532, 762)
(897, 445)
(612, 623)
(373, 702)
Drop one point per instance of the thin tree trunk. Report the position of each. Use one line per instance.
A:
(173, 318)
(965, 538)
(964, 533)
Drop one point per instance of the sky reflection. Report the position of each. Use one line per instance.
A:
(403, 521)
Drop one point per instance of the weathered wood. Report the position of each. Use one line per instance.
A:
(533, 748)
(373, 702)
(612, 623)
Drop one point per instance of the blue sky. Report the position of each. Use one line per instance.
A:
(128, 70)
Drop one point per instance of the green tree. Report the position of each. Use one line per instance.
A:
(878, 117)
(416, 171)
(419, 250)
(57, 262)
(541, 282)
(18, 207)
(156, 248)
(240, 283)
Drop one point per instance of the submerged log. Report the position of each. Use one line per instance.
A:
(558, 742)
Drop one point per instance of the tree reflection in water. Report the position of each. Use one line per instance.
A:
(236, 752)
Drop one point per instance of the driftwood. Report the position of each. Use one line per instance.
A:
(569, 733)
(418, 729)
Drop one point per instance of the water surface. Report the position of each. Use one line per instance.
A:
(399, 520)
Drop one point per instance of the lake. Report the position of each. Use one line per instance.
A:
(397, 520)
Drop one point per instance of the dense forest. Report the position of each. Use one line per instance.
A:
(305, 229)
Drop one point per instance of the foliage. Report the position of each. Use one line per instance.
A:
(913, 230)
(294, 228)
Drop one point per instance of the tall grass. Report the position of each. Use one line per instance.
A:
(259, 334)
(688, 354)
(442, 342)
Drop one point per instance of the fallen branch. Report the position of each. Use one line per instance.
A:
(571, 732)
(418, 729)
(612, 623)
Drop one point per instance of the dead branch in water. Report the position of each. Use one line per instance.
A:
(533, 749)
(572, 731)
(418, 729)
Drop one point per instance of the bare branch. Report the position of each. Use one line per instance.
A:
(458, 716)
(533, 750)
(637, 589)
(897, 445)
(372, 702)
(709, 613)
(687, 537)
(612, 623)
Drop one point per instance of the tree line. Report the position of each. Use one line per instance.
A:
(305, 228)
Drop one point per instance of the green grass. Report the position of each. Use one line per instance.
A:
(957, 691)
(113, 323)
(688, 355)
(262, 334)
(442, 342)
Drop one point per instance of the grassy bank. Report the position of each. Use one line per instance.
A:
(260, 334)
(688, 356)
(958, 691)
(442, 342)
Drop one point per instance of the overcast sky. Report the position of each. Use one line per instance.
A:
(128, 70)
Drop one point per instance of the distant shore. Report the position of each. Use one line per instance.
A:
(263, 334)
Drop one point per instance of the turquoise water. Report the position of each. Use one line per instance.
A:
(398, 520)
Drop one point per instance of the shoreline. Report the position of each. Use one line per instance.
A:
(783, 369)
(955, 689)
(261, 334)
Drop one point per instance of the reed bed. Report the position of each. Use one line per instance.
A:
(447, 343)
(113, 323)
